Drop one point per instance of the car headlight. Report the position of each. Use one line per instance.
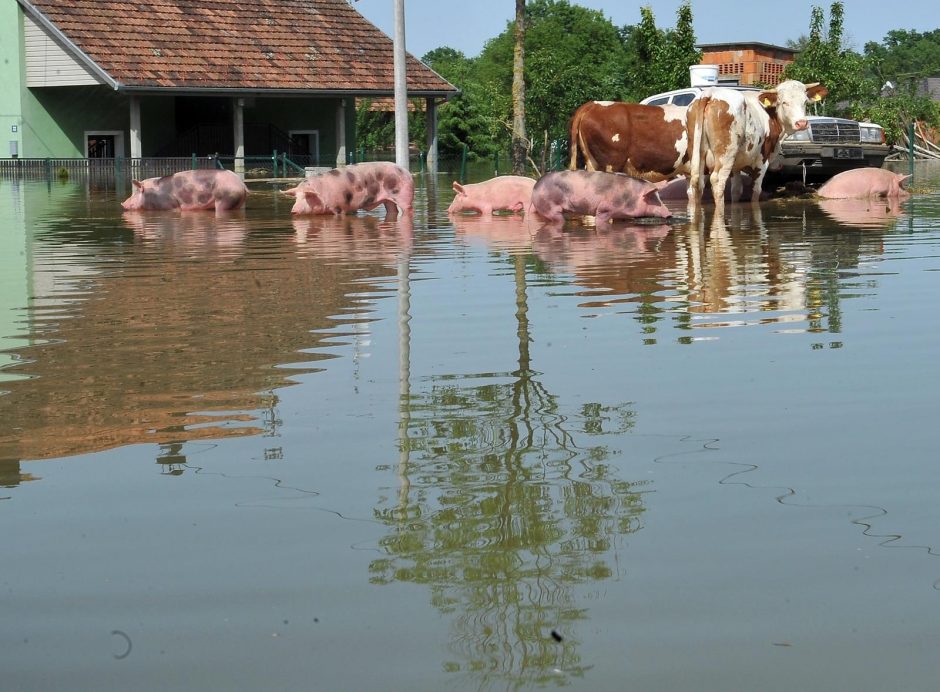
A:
(871, 134)
(800, 136)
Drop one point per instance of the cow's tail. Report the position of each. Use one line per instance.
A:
(574, 128)
(697, 150)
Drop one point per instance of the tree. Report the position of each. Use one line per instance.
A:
(519, 144)
(463, 120)
(660, 59)
(825, 59)
(572, 54)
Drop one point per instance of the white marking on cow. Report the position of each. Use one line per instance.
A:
(605, 103)
(616, 137)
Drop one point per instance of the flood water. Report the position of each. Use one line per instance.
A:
(252, 452)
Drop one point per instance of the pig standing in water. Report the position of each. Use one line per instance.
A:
(359, 186)
(502, 193)
(607, 196)
(864, 182)
(188, 191)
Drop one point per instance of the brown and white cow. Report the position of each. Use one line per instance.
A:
(648, 142)
(732, 131)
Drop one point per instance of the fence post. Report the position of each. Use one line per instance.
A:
(48, 166)
(274, 159)
(194, 160)
(463, 164)
(910, 139)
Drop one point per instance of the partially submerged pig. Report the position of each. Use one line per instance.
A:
(502, 193)
(359, 186)
(864, 182)
(607, 196)
(188, 191)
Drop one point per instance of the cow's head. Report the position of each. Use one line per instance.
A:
(790, 99)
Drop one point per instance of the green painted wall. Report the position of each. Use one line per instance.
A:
(11, 77)
(56, 119)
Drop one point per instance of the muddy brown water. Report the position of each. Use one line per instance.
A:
(250, 452)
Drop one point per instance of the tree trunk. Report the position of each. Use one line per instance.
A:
(518, 94)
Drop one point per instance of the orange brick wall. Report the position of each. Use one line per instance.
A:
(749, 66)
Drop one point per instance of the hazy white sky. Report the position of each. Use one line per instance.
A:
(468, 24)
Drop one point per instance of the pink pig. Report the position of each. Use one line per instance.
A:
(359, 186)
(607, 196)
(502, 193)
(188, 191)
(864, 182)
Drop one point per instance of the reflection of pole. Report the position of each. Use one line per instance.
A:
(401, 87)
(404, 379)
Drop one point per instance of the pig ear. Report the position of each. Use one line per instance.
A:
(312, 197)
(292, 191)
(652, 197)
(137, 184)
(458, 188)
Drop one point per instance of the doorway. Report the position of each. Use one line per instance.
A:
(104, 144)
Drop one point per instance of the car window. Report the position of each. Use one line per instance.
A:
(658, 102)
(682, 99)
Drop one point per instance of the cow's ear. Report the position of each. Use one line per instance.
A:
(458, 188)
(815, 92)
(768, 98)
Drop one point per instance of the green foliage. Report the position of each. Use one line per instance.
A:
(904, 55)
(661, 58)
(895, 113)
(824, 59)
(572, 54)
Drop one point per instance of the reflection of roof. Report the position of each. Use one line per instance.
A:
(323, 45)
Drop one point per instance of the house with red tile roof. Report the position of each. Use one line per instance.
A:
(86, 78)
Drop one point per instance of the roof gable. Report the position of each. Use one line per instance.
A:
(302, 45)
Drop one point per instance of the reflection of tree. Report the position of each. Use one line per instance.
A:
(501, 511)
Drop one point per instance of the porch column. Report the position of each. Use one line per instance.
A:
(135, 130)
(238, 123)
(341, 133)
(431, 115)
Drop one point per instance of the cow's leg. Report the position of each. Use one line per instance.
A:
(737, 187)
(758, 182)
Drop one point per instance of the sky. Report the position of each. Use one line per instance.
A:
(468, 24)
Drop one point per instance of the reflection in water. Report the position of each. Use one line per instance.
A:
(190, 319)
(875, 213)
(501, 508)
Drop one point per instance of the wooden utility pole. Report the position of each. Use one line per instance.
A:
(401, 87)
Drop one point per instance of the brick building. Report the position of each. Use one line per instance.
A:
(747, 63)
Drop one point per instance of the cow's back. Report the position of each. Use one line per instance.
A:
(647, 142)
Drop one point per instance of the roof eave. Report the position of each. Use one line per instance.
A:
(76, 52)
(247, 91)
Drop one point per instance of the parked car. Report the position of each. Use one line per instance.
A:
(826, 147)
